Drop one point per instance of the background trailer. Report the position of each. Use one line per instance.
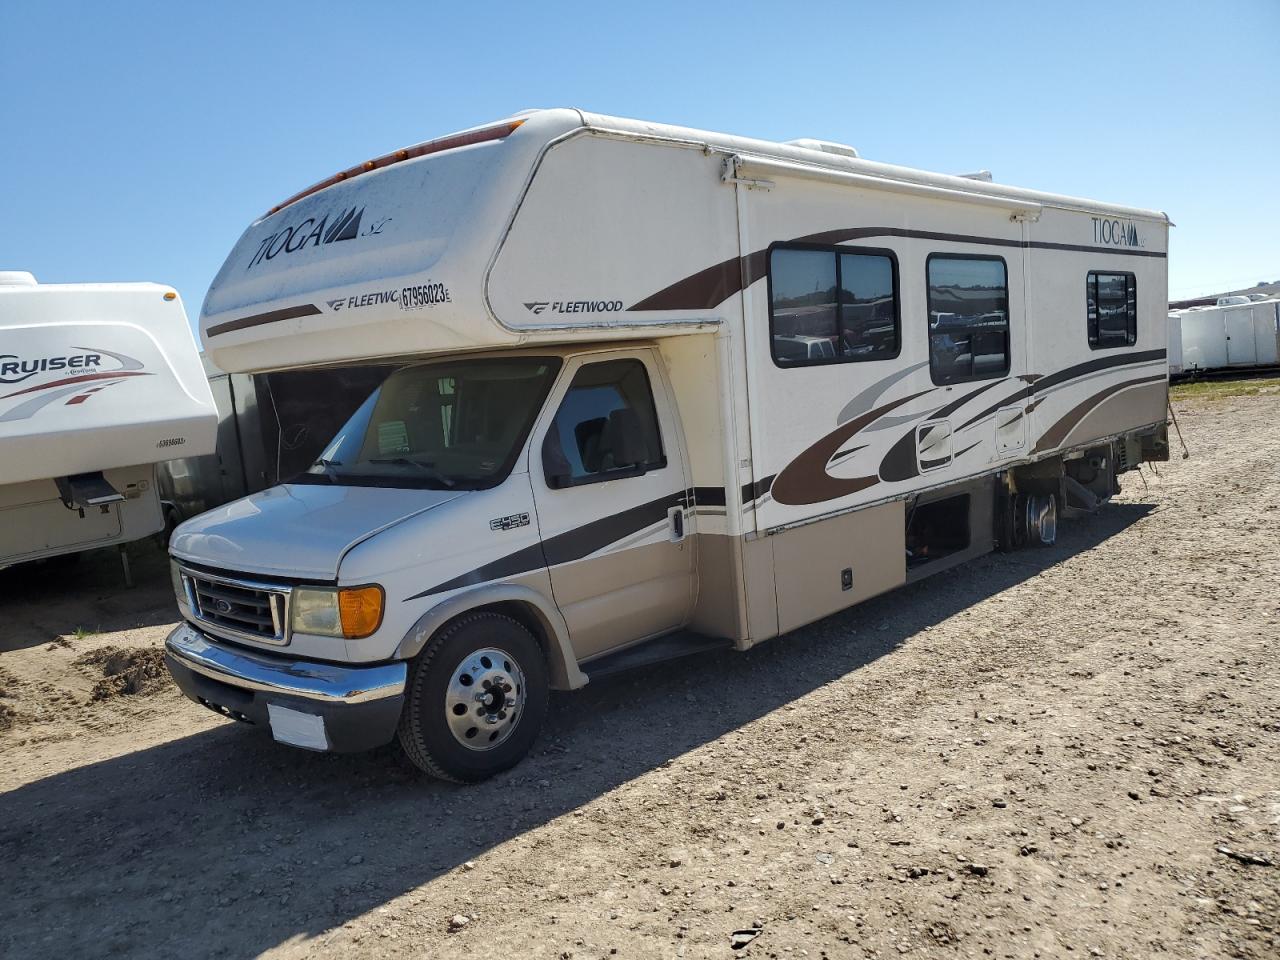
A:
(98, 384)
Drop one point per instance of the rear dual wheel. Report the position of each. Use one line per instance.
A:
(476, 698)
(1027, 520)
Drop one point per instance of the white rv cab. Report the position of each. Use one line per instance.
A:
(98, 384)
(656, 389)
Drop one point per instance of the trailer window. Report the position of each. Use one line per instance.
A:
(832, 305)
(606, 427)
(968, 318)
(1112, 309)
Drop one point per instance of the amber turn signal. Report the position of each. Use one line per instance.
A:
(360, 610)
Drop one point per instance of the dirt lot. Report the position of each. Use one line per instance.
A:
(1071, 752)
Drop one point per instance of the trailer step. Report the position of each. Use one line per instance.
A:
(673, 646)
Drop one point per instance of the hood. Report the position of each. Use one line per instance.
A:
(297, 530)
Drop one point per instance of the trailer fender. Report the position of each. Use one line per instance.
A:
(536, 610)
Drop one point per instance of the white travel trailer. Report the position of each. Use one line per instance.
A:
(98, 384)
(1228, 337)
(611, 438)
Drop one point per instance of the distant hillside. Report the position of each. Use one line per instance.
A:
(1271, 289)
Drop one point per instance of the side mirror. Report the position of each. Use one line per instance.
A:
(555, 465)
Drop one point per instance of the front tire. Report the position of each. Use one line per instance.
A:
(476, 698)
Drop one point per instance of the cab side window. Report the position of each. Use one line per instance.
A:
(606, 427)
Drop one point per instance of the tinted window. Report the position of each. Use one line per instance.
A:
(458, 424)
(1112, 309)
(606, 426)
(829, 306)
(968, 318)
(868, 307)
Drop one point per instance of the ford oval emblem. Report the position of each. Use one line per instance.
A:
(223, 606)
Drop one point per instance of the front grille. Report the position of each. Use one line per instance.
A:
(239, 608)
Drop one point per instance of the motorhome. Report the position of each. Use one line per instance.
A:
(98, 384)
(1241, 335)
(609, 437)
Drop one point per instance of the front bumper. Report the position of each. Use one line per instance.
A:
(360, 706)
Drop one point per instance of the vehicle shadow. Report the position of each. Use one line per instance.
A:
(223, 844)
(34, 603)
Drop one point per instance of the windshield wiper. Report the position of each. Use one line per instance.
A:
(330, 473)
(421, 465)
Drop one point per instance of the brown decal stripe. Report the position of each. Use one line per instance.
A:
(709, 496)
(1041, 384)
(846, 453)
(83, 378)
(713, 285)
(258, 319)
(1058, 432)
(754, 491)
(568, 546)
(900, 462)
(587, 539)
(805, 479)
(959, 402)
(513, 564)
(1099, 363)
(1012, 398)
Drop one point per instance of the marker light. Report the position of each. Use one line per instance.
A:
(170, 295)
(466, 139)
(353, 613)
(360, 610)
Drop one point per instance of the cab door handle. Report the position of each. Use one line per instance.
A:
(675, 519)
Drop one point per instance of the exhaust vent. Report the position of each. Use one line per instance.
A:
(825, 146)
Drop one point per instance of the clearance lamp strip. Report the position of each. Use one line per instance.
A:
(409, 153)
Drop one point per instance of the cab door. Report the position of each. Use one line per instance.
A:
(610, 483)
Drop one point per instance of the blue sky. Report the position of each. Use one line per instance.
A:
(140, 139)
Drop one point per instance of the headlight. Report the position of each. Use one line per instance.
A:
(179, 586)
(352, 612)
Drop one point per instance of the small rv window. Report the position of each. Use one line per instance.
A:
(832, 305)
(606, 427)
(1111, 304)
(968, 318)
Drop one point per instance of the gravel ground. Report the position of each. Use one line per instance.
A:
(1072, 751)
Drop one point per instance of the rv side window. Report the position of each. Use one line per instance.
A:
(832, 305)
(1112, 309)
(606, 427)
(968, 318)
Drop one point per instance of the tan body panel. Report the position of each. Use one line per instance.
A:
(808, 561)
(647, 582)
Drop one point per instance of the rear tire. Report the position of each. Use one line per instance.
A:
(475, 699)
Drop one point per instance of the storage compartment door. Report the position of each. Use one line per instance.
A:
(33, 528)
(1266, 333)
(1241, 349)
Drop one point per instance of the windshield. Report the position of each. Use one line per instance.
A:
(453, 425)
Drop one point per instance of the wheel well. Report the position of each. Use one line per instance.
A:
(525, 615)
(529, 617)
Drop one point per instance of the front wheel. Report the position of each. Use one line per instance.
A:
(476, 698)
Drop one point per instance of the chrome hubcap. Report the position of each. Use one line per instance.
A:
(485, 699)
(1042, 519)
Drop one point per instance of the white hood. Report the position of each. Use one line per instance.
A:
(297, 530)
